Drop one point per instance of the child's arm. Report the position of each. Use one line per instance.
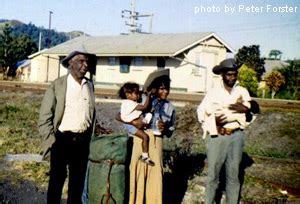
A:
(238, 108)
(145, 106)
(138, 123)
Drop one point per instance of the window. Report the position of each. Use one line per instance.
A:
(111, 61)
(138, 61)
(161, 62)
(125, 64)
(196, 70)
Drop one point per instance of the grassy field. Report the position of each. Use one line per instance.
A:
(273, 144)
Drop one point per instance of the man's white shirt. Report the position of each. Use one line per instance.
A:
(219, 98)
(77, 116)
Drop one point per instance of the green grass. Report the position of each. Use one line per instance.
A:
(259, 150)
(18, 120)
(19, 134)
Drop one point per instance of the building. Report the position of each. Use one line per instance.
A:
(23, 70)
(271, 65)
(189, 56)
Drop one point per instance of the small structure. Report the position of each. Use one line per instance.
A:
(271, 65)
(189, 56)
(23, 70)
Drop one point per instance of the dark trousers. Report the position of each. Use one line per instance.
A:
(69, 152)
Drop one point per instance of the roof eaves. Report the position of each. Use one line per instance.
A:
(229, 48)
(135, 54)
(188, 47)
(37, 53)
(212, 34)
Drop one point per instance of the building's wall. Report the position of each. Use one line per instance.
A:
(38, 69)
(110, 74)
(62, 70)
(44, 68)
(25, 73)
(199, 79)
(184, 76)
(53, 70)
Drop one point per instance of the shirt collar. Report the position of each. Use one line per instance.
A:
(73, 81)
(237, 83)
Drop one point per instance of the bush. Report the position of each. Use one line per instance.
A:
(247, 78)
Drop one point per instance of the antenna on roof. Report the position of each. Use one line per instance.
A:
(134, 16)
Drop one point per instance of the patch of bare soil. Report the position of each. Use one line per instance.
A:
(14, 190)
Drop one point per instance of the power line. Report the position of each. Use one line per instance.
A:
(259, 27)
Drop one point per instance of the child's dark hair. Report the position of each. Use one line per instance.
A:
(128, 87)
(160, 81)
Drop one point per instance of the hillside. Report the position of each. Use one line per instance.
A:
(10, 22)
(33, 32)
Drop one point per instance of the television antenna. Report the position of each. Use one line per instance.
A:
(133, 17)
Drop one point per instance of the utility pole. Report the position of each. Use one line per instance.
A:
(49, 44)
(40, 40)
(134, 16)
(49, 31)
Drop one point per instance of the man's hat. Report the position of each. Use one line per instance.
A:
(153, 75)
(225, 65)
(81, 50)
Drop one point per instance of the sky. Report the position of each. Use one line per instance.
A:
(272, 24)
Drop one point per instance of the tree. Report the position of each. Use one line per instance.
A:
(291, 74)
(275, 54)
(274, 81)
(34, 33)
(250, 56)
(14, 49)
(247, 78)
(6, 48)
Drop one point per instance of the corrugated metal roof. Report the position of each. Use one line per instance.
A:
(270, 65)
(137, 45)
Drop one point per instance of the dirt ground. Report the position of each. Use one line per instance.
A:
(272, 167)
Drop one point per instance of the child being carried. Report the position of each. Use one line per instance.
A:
(132, 110)
(234, 120)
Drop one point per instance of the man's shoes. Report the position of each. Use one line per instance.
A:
(147, 160)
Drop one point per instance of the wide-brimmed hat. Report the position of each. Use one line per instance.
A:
(81, 50)
(154, 75)
(225, 65)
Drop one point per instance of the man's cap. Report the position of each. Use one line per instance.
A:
(81, 50)
(225, 65)
(153, 75)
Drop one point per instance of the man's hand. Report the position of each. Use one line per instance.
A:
(238, 108)
(161, 125)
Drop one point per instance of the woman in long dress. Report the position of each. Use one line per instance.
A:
(146, 182)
